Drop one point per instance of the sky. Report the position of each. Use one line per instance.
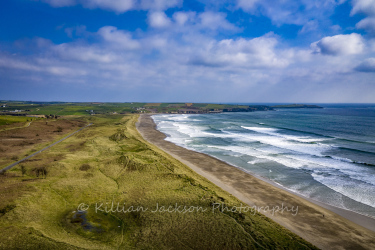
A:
(237, 51)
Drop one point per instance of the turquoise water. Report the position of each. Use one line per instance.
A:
(324, 154)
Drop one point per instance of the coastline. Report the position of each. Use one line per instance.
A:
(323, 225)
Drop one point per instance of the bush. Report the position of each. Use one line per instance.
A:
(84, 167)
(6, 209)
(41, 171)
(23, 170)
(118, 136)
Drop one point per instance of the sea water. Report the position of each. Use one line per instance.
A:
(324, 154)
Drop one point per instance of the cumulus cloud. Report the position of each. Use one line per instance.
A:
(363, 6)
(339, 45)
(118, 38)
(367, 24)
(181, 17)
(192, 22)
(215, 20)
(309, 26)
(297, 12)
(367, 65)
(247, 53)
(158, 4)
(112, 5)
(158, 20)
(366, 7)
(247, 5)
(118, 6)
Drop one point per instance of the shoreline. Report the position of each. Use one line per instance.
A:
(323, 225)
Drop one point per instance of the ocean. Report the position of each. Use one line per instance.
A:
(324, 154)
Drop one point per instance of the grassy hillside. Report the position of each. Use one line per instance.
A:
(8, 119)
(110, 162)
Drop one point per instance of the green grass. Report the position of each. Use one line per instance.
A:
(79, 109)
(8, 119)
(122, 167)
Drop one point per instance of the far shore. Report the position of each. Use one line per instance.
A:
(325, 226)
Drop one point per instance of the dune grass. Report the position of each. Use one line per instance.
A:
(122, 180)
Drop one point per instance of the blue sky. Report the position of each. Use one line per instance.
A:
(188, 51)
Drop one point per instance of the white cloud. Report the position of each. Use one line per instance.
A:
(309, 26)
(247, 53)
(9, 62)
(38, 65)
(363, 6)
(297, 12)
(61, 3)
(82, 53)
(367, 24)
(118, 6)
(159, 4)
(119, 38)
(185, 60)
(367, 65)
(158, 20)
(340, 45)
(247, 5)
(181, 18)
(114, 5)
(216, 20)
(366, 7)
(187, 22)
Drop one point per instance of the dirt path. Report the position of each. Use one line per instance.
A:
(24, 126)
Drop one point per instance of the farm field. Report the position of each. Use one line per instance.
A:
(85, 109)
(8, 119)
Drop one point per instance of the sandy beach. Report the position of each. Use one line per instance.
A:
(323, 225)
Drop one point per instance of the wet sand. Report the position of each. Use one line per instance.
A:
(323, 225)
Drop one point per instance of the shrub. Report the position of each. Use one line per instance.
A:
(41, 171)
(84, 167)
(6, 209)
(118, 136)
(23, 170)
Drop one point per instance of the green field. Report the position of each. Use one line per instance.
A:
(81, 109)
(110, 162)
(8, 119)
